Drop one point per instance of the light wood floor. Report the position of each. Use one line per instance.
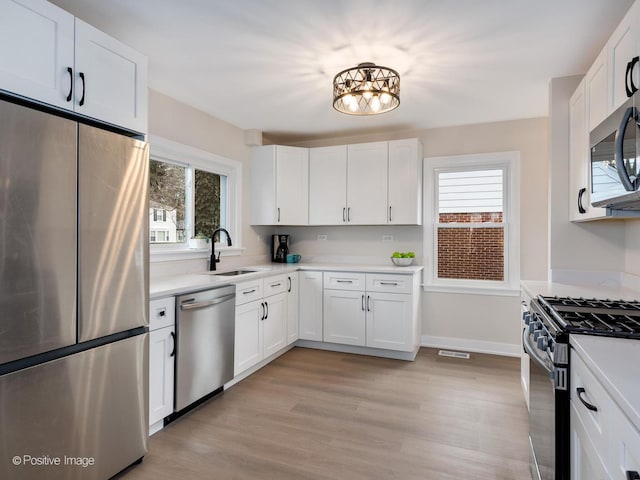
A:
(313, 414)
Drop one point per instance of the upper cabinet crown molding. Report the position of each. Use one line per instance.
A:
(53, 58)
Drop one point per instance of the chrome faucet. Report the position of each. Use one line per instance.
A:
(214, 260)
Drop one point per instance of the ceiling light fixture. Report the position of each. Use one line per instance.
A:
(366, 90)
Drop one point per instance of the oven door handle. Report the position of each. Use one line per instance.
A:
(532, 352)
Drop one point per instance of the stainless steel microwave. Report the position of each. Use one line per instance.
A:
(615, 159)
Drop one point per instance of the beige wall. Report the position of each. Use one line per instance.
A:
(489, 323)
(181, 123)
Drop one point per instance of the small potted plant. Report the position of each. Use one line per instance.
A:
(199, 241)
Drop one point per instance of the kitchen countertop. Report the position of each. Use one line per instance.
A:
(535, 288)
(614, 361)
(177, 284)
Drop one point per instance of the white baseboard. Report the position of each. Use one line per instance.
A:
(251, 370)
(477, 346)
(373, 352)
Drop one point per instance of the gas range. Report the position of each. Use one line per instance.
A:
(613, 318)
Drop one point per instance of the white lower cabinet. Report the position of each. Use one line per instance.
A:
(310, 305)
(162, 347)
(261, 324)
(293, 317)
(586, 463)
(372, 310)
(389, 321)
(344, 317)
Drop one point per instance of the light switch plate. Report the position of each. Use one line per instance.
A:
(387, 238)
(322, 237)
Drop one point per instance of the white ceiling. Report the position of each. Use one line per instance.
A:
(269, 64)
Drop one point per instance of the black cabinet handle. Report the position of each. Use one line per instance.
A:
(628, 77)
(173, 337)
(266, 315)
(344, 214)
(633, 475)
(263, 310)
(580, 194)
(580, 391)
(348, 214)
(289, 289)
(162, 313)
(84, 88)
(278, 214)
(368, 303)
(247, 292)
(389, 213)
(363, 303)
(70, 96)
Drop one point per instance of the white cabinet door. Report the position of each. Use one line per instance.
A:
(36, 48)
(625, 447)
(292, 185)
(389, 322)
(405, 182)
(110, 79)
(586, 463)
(249, 335)
(292, 308)
(275, 324)
(311, 305)
(344, 317)
(279, 185)
(622, 47)
(328, 185)
(367, 165)
(597, 90)
(161, 371)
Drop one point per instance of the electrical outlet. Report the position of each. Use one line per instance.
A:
(387, 238)
(322, 238)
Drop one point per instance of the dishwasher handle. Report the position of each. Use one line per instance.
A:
(208, 303)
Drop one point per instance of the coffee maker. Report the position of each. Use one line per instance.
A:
(279, 248)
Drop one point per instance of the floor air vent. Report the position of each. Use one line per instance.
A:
(449, 353)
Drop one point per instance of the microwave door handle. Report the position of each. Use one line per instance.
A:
(629, 185)
(629, 86)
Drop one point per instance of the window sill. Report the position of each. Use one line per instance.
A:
(183, 253)
(473, 290)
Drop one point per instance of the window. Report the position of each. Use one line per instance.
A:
(190, 192)
(471, 229)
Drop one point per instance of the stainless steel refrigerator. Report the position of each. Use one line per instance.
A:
(73, 298)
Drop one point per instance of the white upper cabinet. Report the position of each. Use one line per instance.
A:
(405, 182)
(279, 185)
(596, 89)
(328, 185)
(53, 58)
(580, 208)
(622, 47)
(110, 79)
(367, 183)
(36, 48)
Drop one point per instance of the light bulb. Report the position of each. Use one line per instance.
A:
(367, 94)
(375, 104)
(348, 99)
(353, 106)
(385, 98)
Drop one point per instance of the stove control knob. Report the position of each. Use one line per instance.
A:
(542, 342)
(537, 334)
(532, 326)
(526, 316)
(551, 346)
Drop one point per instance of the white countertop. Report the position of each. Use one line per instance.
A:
(535, 288)
(614, 361)
(178, 284)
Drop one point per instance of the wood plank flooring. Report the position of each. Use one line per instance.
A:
(316, 415)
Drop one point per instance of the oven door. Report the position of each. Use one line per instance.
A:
(542, 412)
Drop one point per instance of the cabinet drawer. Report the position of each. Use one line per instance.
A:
(595, 422)
(344, 281)
(380, 282)
(275, 285)
(249, 291)
(162, 313)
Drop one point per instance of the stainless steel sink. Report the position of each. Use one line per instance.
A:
(233, 273)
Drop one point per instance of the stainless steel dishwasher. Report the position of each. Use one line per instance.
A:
(205, 331)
